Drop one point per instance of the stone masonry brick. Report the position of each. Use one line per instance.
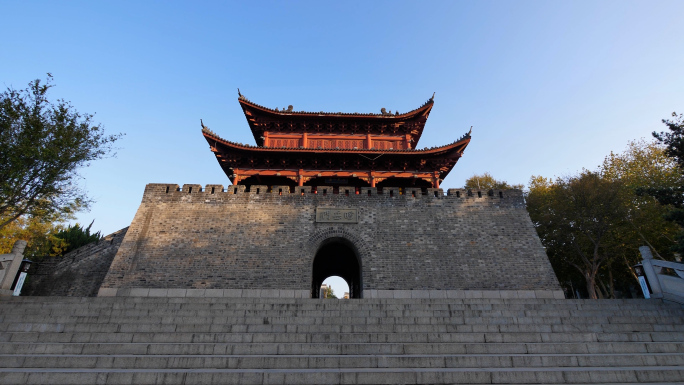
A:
(234, 239)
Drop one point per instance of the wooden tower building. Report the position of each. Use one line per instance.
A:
(297, 148)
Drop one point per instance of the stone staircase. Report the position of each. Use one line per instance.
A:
(129, 340)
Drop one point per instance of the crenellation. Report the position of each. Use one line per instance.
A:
(280, 190)
(435, 193)
(413, 192)
(392, 192)
(191, 189)
(303, 190)
(324, 190)
(368, 191)
(213, 189)
(159, 188)
(256, 189)
(236, 189)
(347, 190)
(171, 192)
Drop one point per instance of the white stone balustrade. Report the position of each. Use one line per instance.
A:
(664, 286)
(9, 266)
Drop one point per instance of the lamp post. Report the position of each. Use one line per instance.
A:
(641, 275)
(21, 277)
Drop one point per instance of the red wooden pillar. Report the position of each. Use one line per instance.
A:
(435, 180)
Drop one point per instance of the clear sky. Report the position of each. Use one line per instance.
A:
(550, 87)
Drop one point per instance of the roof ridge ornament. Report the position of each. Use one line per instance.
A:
(207, 130)
(432, 99)
(466, 135)
(241, 96)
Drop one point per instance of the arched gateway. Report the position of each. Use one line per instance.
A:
(337, 256)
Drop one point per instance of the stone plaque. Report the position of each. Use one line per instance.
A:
(335, 215)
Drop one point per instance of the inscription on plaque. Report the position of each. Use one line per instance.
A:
(327, 214)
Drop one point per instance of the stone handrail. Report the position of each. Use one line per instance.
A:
(664, 286)
(9, 266)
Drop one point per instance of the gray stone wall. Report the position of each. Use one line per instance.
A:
(76, 274)
(194, 238)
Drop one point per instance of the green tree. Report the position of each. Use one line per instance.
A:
(576, 219)
(672, 196)
(674, 139)
(633, 220)
(487, 182)
(641, 164)
(645, 164)
(330, 293)
(76, 236)
(44, 144)
(39, 231)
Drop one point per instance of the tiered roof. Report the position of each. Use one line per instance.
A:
(307, 160)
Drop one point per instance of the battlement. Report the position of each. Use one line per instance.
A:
(156, 191)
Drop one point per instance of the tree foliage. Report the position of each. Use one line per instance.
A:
(44, 144)
(330, 293)
(593, 223)
(487, 182)
(576, 218)
(39, 231)
(674, 139)
(669, 195)
(76, 236)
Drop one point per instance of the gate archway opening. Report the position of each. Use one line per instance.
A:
(337, 256)
(335, 287)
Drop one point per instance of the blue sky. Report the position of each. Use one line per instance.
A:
(550, 87)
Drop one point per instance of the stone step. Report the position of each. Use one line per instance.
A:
(303, 341)
(159, 315)
(596, 332)
(127, 347)
(309, 304)
(521, 375)
(227, 327)
(8, 325)
(171, 333)
(394, 311)
(8, 315)
(320, 361)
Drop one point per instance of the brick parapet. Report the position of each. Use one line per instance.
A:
(159, 192)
